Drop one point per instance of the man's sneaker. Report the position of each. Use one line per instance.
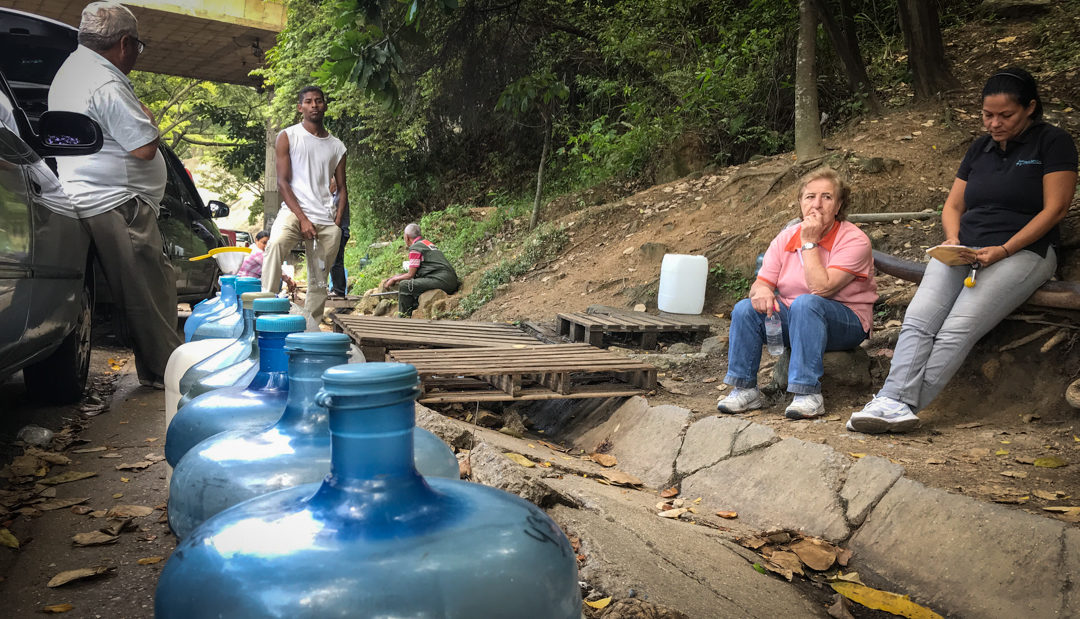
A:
(741, 400)
(883, 414)
(806, 406)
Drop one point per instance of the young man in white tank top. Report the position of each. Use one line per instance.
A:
(307, 158)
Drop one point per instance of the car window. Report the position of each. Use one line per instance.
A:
(15, 231)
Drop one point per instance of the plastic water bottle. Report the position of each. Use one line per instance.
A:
(774, 334)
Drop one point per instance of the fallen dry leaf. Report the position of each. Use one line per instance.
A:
(81, 510)
(133, 466)
(1010, 500)
(729, 515)
(125, 479)
(816, 554)
(1016, 474)
(128, 511)
(673, 513)
(60, 503)
(149, 560)
(56, 609)
(598, 604)
(69, 476)
(89, 450)
(607, 460)
(786, 560)
(1050, 496)
(151, 439)
(935, 460)
(49, 456)
(7, 538)
(111, 454)
(1001, 452)
(883, 600)
(1068, 514)
(159, 457)
(857, 455)
(843, 555)
(1024, 460)
(94, 538)
(840, 608)
(620, 478)
(1046, 462)
(669, 493)
(520, 459)
(753, 543)
(969, 425)
(67, 576)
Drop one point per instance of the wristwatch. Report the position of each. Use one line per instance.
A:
(807, 246)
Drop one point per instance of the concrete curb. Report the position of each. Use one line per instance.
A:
(952, 553)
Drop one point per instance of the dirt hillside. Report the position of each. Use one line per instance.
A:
(1003, 410)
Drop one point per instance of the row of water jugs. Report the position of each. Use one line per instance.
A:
(301, 487)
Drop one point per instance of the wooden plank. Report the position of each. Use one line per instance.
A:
(585, 391)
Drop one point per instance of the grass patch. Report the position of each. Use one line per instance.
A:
(545, 243)
(733, 284)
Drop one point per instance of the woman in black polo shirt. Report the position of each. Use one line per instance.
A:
(1013, 188)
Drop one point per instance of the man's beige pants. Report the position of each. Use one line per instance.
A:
(284, 235)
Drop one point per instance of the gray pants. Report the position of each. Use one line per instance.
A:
(320, 251)
(409, 291)
(946, 319)
(142, 281)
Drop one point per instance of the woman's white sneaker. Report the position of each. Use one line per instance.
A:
(883, 414)
(806, 406)
(741, 400)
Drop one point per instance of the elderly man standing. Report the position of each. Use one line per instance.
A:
(117, 191)
(428, 270)
(307, 158)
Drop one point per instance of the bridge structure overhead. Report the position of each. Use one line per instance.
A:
(213, 40)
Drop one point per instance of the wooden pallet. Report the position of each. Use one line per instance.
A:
(539, 372)
(375, 334)
(590, 328)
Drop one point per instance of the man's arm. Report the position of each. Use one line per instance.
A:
(147, 151)
(284, 183)
(343, 192)
(390, 281)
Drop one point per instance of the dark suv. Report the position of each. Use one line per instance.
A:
(48, 286)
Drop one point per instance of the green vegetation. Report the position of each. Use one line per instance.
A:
(733, 284)
(543, 244)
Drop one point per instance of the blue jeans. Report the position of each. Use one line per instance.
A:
(945, 320)
(812, 325)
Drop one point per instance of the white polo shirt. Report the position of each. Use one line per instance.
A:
(90, 84)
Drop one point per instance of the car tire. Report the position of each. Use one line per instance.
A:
(61, 377)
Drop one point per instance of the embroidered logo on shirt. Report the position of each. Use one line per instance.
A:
(1023, 162)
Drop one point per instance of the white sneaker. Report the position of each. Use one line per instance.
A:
(806, 406)
(741, 400)
(883, 414)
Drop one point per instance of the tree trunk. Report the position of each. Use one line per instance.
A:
(847, 48)
(926, 51)
(540, 172)
(807, 118)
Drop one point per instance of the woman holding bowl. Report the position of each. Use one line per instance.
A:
(819, 276)
(1013, 188)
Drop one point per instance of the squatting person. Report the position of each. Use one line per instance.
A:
(428, 270)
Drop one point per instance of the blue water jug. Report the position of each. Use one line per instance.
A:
(206, 307)
(243, 351)
(234, 466)
(228, 321)
(255, 405)
(375, 538)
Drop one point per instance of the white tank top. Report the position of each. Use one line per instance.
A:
(314, 160)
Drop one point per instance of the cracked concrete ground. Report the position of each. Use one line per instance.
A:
(955, 554)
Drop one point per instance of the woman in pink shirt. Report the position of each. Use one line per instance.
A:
(819, 276)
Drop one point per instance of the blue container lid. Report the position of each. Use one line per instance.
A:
(229, 279)
(249, 298)
(270, 303)
(248, 284)
(335, 343)
(365, 379)
(280, 323)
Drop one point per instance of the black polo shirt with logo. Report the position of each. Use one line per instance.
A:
(1004, 187)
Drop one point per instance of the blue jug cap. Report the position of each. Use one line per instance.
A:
(270, 303)
(280, 323)
(227, 279)
(248, 298)
(361, 379)
(318, 342)
(247, 284)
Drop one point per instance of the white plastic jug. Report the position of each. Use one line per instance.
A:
(682, 284)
